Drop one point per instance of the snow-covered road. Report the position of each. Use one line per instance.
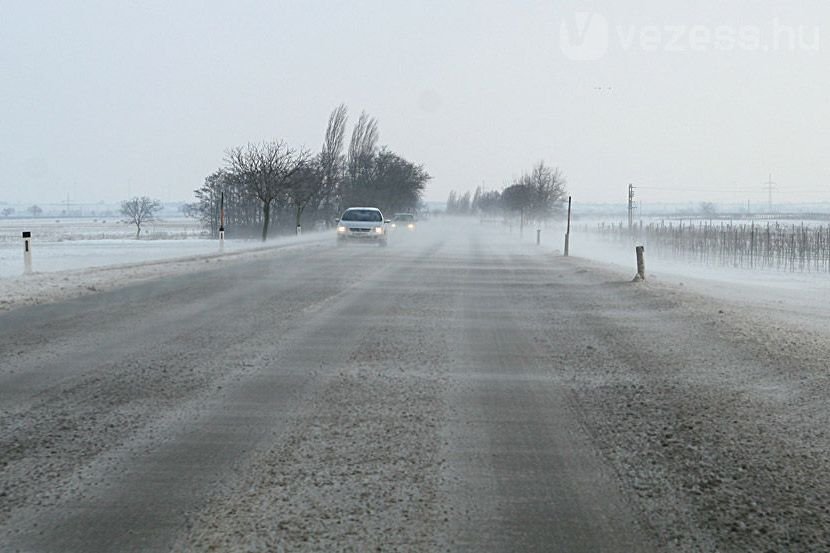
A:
(456, 391)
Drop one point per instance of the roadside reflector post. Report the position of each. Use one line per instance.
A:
(568, 231)
(299, 230)
(27, 252)
(538, 236)
(222, 222)
(641, 263)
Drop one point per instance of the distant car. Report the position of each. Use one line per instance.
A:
(403, 220)
(362, 224)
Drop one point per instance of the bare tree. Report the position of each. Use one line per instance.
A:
(476, 201)
(305, 189)
(547, 187)
(243, 212)
(331, 160)
(362, 146)
(208, 197)
(266, 171)
(490, 203)
(535, 195)
(463, 203)
(35, 210)
(396, 184)
(518, 197)
(452, 203)
(708, 209)
(139, 211)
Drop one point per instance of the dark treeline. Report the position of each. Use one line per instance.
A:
(535, 196)
(273, 186)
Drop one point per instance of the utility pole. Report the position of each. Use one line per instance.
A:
(770, 185)
(630, 206)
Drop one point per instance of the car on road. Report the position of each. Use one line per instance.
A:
(362, 224)
(403, 221)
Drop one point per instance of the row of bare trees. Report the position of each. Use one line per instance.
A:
(537, 195)
(262, 184)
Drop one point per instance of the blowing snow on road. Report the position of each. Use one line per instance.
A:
(456, 391)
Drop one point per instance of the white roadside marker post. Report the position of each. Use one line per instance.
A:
(568, 231)
(538, 236)
(222, 223)
(299, 230)
(641, 263)
(27, 252)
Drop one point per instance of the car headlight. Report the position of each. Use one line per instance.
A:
(341, 229)
(394, 225)
(410, 225)
(379, 230)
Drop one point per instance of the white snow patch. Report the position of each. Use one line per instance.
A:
(83, 267)
(802, 298)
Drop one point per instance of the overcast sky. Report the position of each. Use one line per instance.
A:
(689, 100)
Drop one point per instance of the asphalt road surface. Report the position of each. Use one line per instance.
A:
(456, 391)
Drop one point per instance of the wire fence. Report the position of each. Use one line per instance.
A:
(795, 248)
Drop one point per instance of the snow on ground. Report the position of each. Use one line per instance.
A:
(65, 270)
(88, 228)
(799, 297)
(713, 417)
(50, 257)
(70, 258)
(80, 243)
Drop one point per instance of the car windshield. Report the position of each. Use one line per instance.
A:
(404, 217)
(362, 215)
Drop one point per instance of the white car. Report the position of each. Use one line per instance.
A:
(364, 224)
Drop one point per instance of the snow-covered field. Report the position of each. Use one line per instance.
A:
(68, 244)
(801, 297)
(88, 228)
(50, 257)
(799, 293)
(70, 259)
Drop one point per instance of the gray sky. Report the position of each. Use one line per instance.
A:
(690, 101)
